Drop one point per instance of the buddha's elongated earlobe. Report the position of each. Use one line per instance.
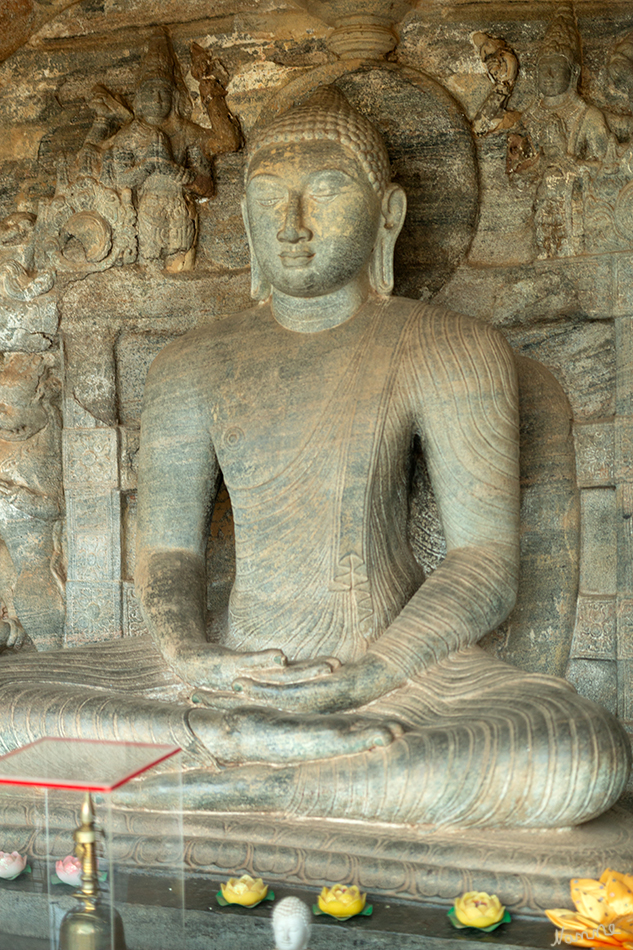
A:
(260, 288)
(394, 209)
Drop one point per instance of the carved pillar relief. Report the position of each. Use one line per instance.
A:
(93, 502)
(563, 147)
(600, 662)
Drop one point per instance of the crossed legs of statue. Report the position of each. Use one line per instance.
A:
(483, 744)
(472, 742)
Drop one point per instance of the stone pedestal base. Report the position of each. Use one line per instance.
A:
(528, 870)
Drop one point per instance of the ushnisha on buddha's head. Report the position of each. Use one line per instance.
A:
(321, 212)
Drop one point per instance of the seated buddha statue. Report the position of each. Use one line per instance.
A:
(339, 681)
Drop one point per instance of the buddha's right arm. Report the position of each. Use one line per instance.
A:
(171, 588)
(178, 475)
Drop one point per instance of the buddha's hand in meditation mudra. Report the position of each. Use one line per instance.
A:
(251, 728)
(320, 685)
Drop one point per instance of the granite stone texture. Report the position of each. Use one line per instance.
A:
(127, 132)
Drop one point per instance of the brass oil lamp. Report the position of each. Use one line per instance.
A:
(91, 925)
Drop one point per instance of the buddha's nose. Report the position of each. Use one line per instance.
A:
(294, 229)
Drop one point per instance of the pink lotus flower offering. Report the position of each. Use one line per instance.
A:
(11, 865)
(68, 870)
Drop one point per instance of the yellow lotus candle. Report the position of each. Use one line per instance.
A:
(245, 890)
(478, 909)
(603, 915)
(341, 901)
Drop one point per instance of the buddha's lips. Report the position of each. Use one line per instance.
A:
(295, 258)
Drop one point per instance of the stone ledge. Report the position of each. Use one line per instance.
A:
(528, 869)
(151, 925)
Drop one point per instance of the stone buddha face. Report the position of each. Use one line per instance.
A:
(291, 934)
(321, 213)
(153, 101)
(555, 74)
(313, 217)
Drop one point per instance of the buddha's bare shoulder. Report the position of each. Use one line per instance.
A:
(441, 327)
(454, 339)
(195, 353)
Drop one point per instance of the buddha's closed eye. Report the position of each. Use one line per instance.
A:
(268, 193)
(268, 201)
(325, 196)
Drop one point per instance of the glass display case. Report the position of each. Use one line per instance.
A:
(65, 884)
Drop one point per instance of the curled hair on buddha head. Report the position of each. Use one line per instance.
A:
(328, 115)
(292, 908)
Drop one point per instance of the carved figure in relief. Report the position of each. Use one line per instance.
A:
(162, 157)
(566, 142)
(130, 193)
(620, 68)
(31, 561)
(339, 682)
(85, 227)
(608, 195)
(502, 66)
(609, 201)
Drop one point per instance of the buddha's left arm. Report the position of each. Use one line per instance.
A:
(468, 396)
(467, 405)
